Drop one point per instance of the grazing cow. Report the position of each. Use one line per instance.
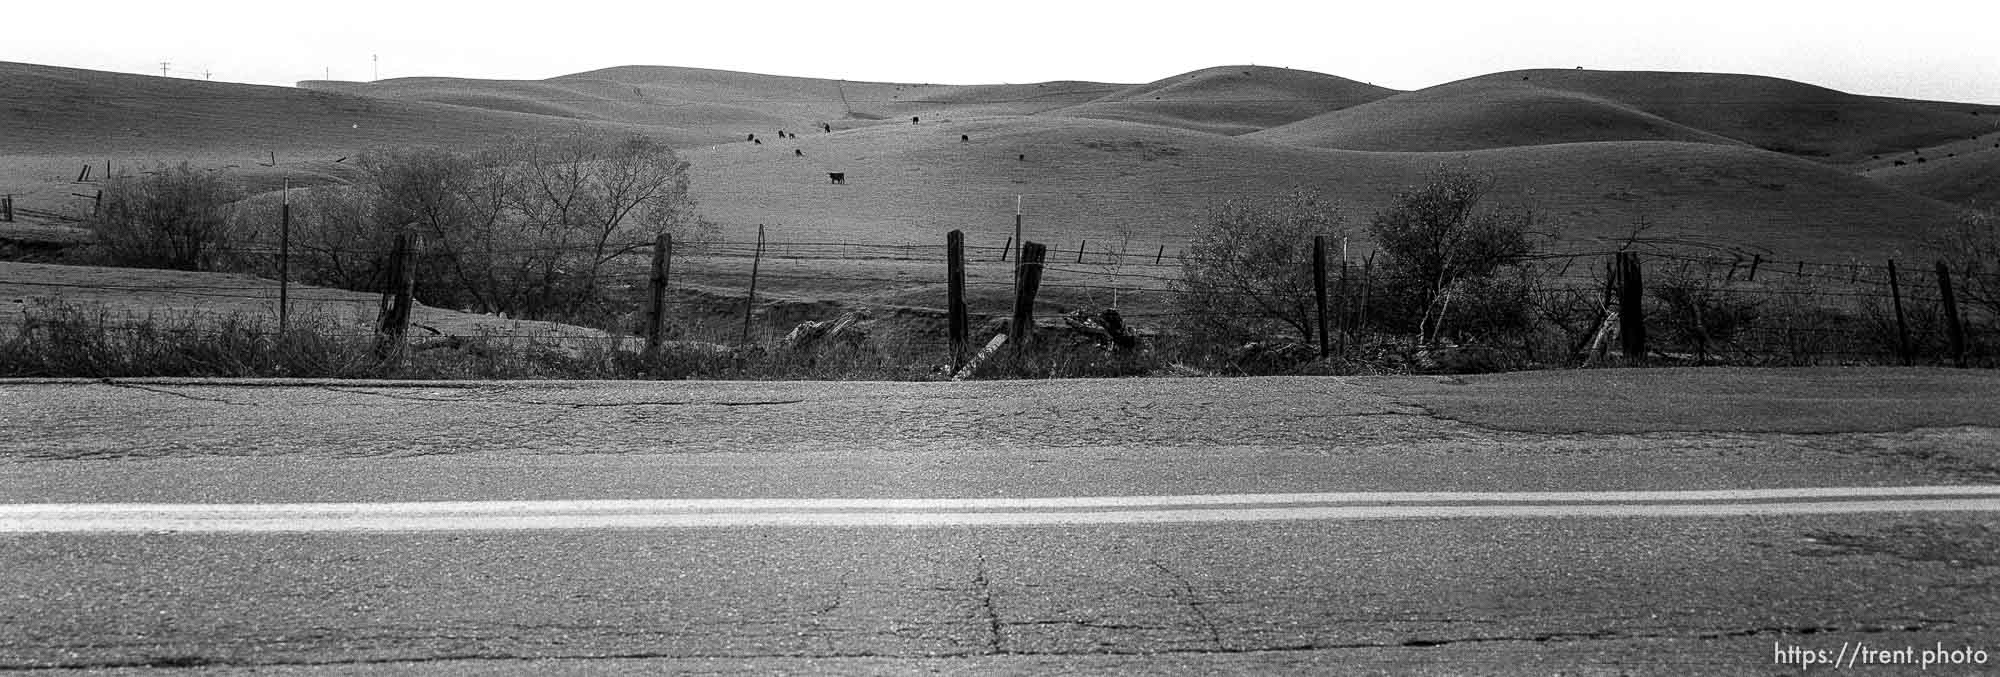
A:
(759, 142)
(798, 152)
(962, 138)
(837, 177)
(1024, 157)
(753, 137)
(913, 119)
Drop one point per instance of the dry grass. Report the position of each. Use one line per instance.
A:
(1230, 100)
(1474, 115)
(1560, 106)
(1105, 180)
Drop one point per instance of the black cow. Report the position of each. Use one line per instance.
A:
(837, 177)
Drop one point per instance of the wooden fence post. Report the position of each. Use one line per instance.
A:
(1005, 248)
(1023, 327)
(395, 316)
(1755, 261)
(285, 262)
(750, 304)
(1954, 328)
(1345, 292)
(1160, 256)
(1631, 309)
(1367, 289)
(1902, 325)
(1319, 291)
(7, 209)
(957, 324)
(656, 296)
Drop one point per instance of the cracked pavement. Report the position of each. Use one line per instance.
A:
(1420, 596)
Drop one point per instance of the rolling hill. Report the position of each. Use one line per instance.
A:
(1594, 153)
(1971, 178)
(48, 110)
(1230, 100)
(1147, 185)
(704, 106)
(1563, 106)
(1472, 115)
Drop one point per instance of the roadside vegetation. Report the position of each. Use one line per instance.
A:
(1458, 279)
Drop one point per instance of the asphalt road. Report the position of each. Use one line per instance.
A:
(1520, 594)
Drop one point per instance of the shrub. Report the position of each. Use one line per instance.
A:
(1248, 274)
(1697, 313)
(173, 217)
(1440, 242)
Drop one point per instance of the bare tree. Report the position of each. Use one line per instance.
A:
(173, 217)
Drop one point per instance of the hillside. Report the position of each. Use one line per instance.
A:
(1971, 178)
(48, 110)
(1230, 100)
(1562, 106)
(1148, 185)
(1474, 115)
(1597, 152)
(704, 106)
(1774, 113)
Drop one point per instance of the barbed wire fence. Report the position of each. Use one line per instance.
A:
(1698, 304)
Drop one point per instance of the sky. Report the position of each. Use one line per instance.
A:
(1922, 49)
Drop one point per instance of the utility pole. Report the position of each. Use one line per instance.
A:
(163, 68)
(378, 66)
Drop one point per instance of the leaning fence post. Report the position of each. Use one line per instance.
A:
(956, 325)
(1954, 328)
(7, 209)
(395, 316)
(1631, 309)
(1022, 329)
(1367, 290)
(750, 304)
(656, 298)
(1902, 325)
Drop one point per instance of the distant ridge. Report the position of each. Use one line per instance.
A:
(1476, 115)
(55, 110)
(1230, 100)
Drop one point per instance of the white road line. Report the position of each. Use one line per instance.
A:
(657, 514)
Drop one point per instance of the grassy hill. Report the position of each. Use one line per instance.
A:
(1970, 178)
(1774, 113)
(704, 106)
(1560, 106)
(1230, 99)
(1137, 164)
(48, 110)
(1112, 182)
(1474, 115)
